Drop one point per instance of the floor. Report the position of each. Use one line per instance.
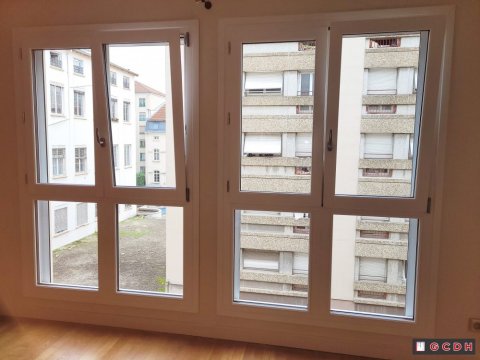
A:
(36, 339)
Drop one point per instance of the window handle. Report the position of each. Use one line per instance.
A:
(100, 140)
(330, 141)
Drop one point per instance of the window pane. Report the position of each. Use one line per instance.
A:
(379, 112)
(371, 257)
(150, 242)
(277, 116)
(271, 257)
(67, 243)
(64, 116)
(145, 101)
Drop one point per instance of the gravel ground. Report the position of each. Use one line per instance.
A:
(141, 257)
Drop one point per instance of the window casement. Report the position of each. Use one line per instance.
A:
(79, 103)
(78, 67)
(142, 144)
(141, 102)
(127, 153)
(80, 160)
(156, 154)
(142, 156)
(62, 203)
(142, 116)
(126, 111)
(126, 82)
(56, 99)
(156, 176)
(346, 166)
(56, 59)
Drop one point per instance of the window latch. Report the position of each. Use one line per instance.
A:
(100, 140)
(330, 141)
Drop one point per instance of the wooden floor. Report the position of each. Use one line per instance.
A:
(34, 339)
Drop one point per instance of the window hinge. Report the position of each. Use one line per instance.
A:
(187, 193)
(20, 53)
(186, 39)
(228, 119)
(229, 47)
(429, 205)
(228, 185)
(26, 178)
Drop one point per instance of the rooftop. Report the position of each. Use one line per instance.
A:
(142, 88)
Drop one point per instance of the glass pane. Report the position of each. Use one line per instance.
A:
(271, 257)
(67, 247)
(64, 116)
(150, 241)
(379, 112)
(277, 116)
(141, 115)
(373, 264)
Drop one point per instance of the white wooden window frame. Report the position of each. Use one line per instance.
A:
(104, 193)
(322, 206)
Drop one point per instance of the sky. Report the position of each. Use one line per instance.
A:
(148, 61)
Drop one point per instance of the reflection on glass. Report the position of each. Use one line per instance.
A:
(150, 248)
(277, 116)
(67, 247)
(141, 115)
(64, 116)
(370, 264)
(271, 257)
(378, 115)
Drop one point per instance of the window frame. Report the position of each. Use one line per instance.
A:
(439, 22)
(103, 193)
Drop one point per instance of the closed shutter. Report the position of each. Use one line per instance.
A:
(82, 214)
(382, 81)
(303, 144)
(263, 144)
(257, 81)
(260, 260)
(378, 146)
(61, 221)
(300, 263)
(373, 269)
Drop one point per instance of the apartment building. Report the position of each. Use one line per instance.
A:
(376, 152)
(148, 101)
(69, 147)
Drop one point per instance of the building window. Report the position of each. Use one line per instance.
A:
(78, 103)
(142, 116)
(382, 81)
(78, 66)
(303, 170)
(156, 176)
(142, 144)
(82, 214)
(141, 102)
(306, 45)
(156, 138)
(262, 144)
(301, 230)
(142, 156)
(381, 109)
(305, 83)
(377, 172)
(384, 42)
(304, 109)
(80, 160)
(126, 82)
(115, 156)
(60, 220)
(142, 169)
(263, 83)
(378, 146)
(300, 263)
(56, 99)
(372, 269)
(127, 150)
(58, 162)
(156, 154)
(372, 295)
(113, 109)
(56, 59)
(126, 111)
(374, 234)
(113, 78)
(303, 145)
(260, 260)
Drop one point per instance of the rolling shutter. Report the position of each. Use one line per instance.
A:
(300, 263)
(263, 144)
(263, 81)
(260, 260)
(373, 269)
(382, 81)
(378, 146)
(303, 144)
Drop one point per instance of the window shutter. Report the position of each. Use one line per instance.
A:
(263, 144)
(262, 260)
(263, 81)
(378, 146)
(300, 263)
(303, 144)
(373, 269)
(382, 81)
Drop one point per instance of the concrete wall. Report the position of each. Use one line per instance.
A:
(459, 268)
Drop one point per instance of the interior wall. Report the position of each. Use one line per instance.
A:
(459, 268)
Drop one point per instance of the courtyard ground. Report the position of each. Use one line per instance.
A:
(141, 257)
